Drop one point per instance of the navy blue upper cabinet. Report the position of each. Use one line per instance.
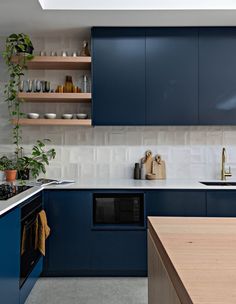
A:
(172, 76)
(164, 76)
(217, 81)
(10, 257)
(118, 70)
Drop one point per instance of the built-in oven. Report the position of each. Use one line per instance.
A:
(118, 209)
(29, 252)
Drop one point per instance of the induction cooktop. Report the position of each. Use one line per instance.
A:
(9, 190)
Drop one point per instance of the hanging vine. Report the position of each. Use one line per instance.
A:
(18, 50)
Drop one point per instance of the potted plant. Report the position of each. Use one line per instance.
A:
(37, 161)
(22, 43)
(10, 168)
(19, 44)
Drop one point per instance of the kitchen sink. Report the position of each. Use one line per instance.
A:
(219, 183)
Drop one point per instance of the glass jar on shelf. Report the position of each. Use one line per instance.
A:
(85, 84)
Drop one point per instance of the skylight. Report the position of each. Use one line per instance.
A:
(137, 4)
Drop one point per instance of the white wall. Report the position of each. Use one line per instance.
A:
(101, 152)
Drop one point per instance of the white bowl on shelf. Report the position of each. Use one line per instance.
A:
(81, 116)
(33, 115)
(67, 116)
(50, 115)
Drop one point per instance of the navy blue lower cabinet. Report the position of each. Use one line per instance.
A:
(10, 257)
(221, 203)
(81, 245)
(119, 253)
(176, 203)
(68, 247)
(118, 237)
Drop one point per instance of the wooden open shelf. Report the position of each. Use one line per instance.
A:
(57, 63)
(53, 122)
(55, 97)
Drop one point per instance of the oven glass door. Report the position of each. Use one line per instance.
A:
(29, 253)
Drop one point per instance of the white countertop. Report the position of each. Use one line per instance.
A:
(141, 184)
(114, 184)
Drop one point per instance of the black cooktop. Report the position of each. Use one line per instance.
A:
(9, 190)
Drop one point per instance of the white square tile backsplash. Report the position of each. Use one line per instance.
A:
(110, 152)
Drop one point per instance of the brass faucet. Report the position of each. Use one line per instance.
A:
(224, 173)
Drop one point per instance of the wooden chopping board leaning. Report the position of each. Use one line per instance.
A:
(155, 167)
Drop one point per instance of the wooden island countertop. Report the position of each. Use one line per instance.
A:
(198, 256)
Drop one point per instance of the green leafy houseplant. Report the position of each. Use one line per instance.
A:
(38, 159)
(17, 46)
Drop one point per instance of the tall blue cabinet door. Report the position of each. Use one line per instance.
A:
(10, 257)
(118, 69)
(217, 81)
(172, 76)
(69, 217)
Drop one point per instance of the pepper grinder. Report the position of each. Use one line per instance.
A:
(137, 171)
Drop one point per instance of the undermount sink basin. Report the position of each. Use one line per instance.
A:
(219, 183)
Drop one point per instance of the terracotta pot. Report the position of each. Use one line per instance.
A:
(10, 175)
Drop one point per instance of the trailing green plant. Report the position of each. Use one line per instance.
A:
(38, 159)
(18, 47)
(18, 51)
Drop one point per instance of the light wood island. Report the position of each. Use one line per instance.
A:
(191, 260)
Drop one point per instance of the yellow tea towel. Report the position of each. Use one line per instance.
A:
(42, 231)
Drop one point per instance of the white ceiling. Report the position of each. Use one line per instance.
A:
(137, 4)
(27, 16)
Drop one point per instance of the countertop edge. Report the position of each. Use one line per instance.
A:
(18, 199)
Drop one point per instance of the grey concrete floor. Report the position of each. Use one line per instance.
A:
(89, 291)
